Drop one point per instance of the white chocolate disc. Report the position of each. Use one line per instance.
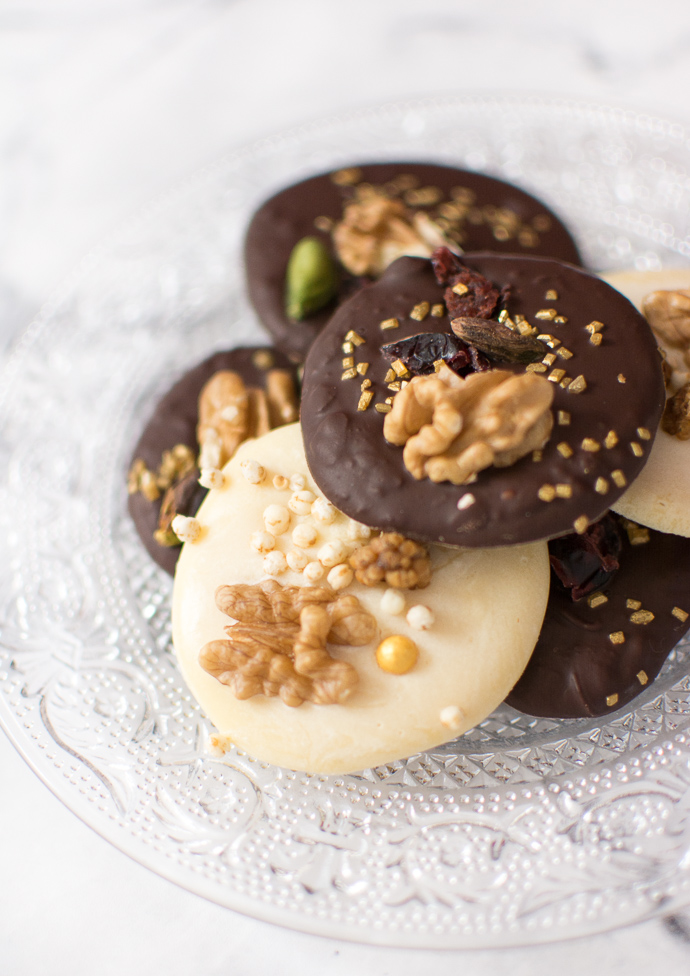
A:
(660, 495)
(487, 607)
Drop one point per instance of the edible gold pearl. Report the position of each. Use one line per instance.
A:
(397, 654)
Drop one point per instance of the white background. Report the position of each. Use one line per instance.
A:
(105, 104)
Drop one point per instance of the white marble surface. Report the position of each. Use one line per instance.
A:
(104, 104)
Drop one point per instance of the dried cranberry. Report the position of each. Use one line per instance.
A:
(481, 297)
(420, 352)
(584, 563)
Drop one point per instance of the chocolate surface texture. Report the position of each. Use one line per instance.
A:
(580, 666)
(289, 216)
(599, 442)
(174, 422)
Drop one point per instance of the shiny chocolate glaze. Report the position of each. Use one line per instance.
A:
(576, 670)
(365, 477)
(174, 422)
(289, 216)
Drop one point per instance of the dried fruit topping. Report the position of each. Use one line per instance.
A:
(468, 293)
(499, 343)
(421, 353)
(182, 498)
(676, 418)
(392, 559)
(584, 563)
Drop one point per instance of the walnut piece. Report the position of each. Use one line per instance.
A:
(392, 559)
(375, 230)
(278, 645)
(452, 427)
(230, 412)
(668, 313)
(676, 418)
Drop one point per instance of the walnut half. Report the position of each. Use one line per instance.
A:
(451, 428)
(668, 314)
(278, 645)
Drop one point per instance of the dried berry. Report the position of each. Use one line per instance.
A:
(468, 293)
(499, 343)
(182, 498)
(584, 563)
(420, 352)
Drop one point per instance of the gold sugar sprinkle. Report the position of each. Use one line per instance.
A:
(348, 347)
(524, 328)
(501, 233)
(679, 614)
(547, 493)
(611, 700)
(579, 385)
(519, 319)
(438, 311)
(349, 374)
(560, 320)
(399, 368)
(551, 295)
(347, 177)
(396, 386)
(621, 378)
(437, 365)
(564, 449)
(503, 315)
(362, 368)
(537, 455)
(594, 326)
(323, 223)
(641, 617)
(564, 491)
(611, 439)
(263, 359)
(420, 311)
(601, 486)
(365, 384)
(563, 418)
(352, 336)
(390, 376)
(565, 382)
(365, 399)
(633, 604)
(596, 600)
(542, 222)
(565, 353)
(556, 375)
(638, 535)
(383, 407)
(546, 313)
(460, 289)
(536, 368)
(509, 324)
(642, 677)
(619, 478)
(643, 433)
(596, 338)
(348, 362)
(617, 637)
(388, 400)
(389, 324)
(580, 524)
(551, 341)
(549, 359)
(589, 444)
(636, 448)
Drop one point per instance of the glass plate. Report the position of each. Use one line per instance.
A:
(521, 831)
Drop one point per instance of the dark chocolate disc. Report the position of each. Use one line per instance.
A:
(601, 436)
(500, 217)
(174, 422)
(593, 656)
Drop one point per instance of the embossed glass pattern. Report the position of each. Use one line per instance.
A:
(523, 830)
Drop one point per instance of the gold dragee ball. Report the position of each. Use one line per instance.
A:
(397, 654)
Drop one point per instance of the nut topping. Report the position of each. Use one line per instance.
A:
(451, 427)
(278, 645)
(392, 559)
(676, 418)
(668, 313)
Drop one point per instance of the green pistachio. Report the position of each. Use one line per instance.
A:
(311, 279)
